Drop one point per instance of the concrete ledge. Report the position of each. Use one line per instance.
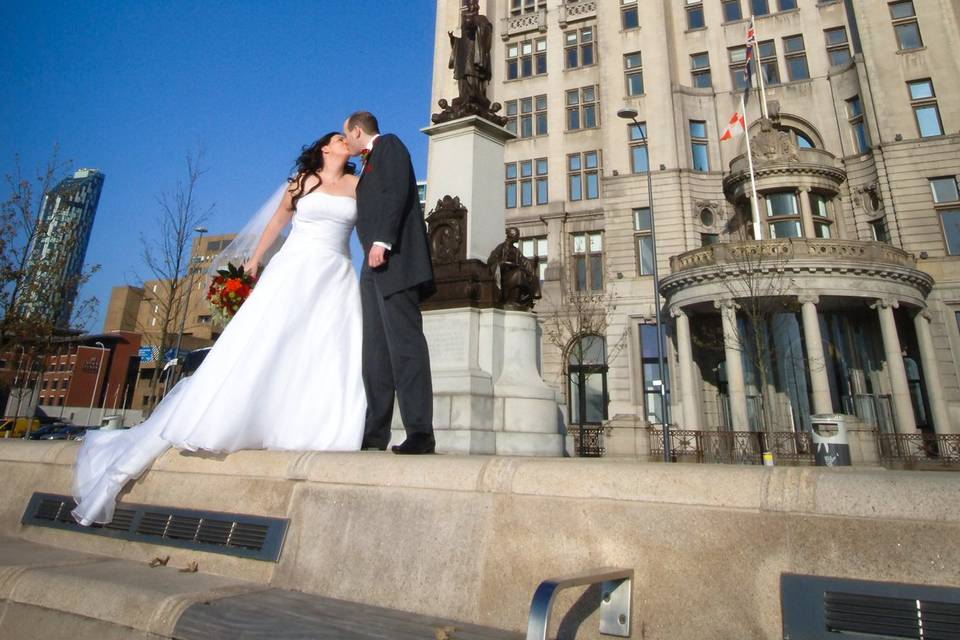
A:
(470, 538)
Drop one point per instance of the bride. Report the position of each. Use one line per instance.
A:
(285, 373)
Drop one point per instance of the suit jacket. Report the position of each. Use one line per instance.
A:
(388, 210)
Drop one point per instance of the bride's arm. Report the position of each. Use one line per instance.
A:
(281, 218)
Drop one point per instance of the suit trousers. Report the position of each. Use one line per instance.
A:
(396, 362)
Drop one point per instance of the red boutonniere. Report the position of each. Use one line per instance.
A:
(367, 167)
(364, 153)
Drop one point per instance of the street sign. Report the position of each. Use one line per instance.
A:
(146, 354)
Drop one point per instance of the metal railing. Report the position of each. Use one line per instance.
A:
(588, 441)
(734, 447)
(616, 586)
(925, 449)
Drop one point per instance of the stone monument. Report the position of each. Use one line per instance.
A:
(489, 397)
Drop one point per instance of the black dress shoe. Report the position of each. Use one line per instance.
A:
(416, 444)
(370, 445)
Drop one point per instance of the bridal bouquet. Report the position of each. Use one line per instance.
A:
(229, 290)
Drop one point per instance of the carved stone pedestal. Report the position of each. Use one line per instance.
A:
(488, 397)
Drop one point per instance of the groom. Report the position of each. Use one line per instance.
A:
(395, 276)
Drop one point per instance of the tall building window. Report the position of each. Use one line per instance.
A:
(946, 200)
(652, 376)
(905, 25)
(695, 14)
(519, 7)
(786, 5)
(821, 215)
(767, 51)
(587, 378)
(838, 48)
(707, 239)
(536, 249)
(924, 103)
(858, 125)
(795, 55)
(583, 175)
(732, 10)
(526, 59)
(783, 214)
(643, 241)
(531, 183)
(510, 186)
(759, 7)
(639, 160)
(543, 188)
(527, 117)
(588, 261)
(633, 68)
(629, 18)
(879, 231)
(698, 145)
(582, 108)
(579, 48)
(700, 70)
(738, 63)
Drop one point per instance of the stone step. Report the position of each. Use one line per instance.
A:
(53, 592)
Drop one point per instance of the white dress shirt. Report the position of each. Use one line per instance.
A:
(385, 245)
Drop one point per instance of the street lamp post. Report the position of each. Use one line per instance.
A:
(96, 383)
(186, 309)
(631, 114)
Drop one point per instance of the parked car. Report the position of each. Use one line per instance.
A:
(17, 427)
(43, 432)
(67, 432)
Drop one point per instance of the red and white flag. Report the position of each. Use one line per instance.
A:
(735, 128)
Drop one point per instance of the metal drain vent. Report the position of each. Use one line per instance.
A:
(819, 608)
(254, 537)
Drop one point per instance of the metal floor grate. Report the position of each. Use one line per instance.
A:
(816, 608)
(255, 537)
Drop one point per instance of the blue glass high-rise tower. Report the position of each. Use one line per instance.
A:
(56, 258)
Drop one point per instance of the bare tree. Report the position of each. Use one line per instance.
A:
(34, 291)
(566, 321)
(756, 280)
(166, 256)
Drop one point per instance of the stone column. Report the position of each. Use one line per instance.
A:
(688, 391)
(816, 361)
(931, 374)
(734, 366)
(806, 214)
(902, 406)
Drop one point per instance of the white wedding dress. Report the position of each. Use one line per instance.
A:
(285, 373)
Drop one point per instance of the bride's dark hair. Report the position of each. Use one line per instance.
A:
(310, 162)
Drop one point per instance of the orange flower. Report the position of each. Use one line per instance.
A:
(233, 285)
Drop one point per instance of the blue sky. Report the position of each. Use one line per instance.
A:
(130, 87)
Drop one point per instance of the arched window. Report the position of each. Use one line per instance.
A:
(587, 380)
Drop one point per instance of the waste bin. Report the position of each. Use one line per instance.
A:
(831, 445)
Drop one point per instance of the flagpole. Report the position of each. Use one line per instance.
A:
(756, 58)
(754, 204)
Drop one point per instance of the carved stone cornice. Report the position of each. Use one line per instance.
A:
(795, 266)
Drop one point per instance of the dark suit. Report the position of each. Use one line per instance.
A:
(395, 355)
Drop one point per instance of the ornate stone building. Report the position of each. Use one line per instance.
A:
(839, 293)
